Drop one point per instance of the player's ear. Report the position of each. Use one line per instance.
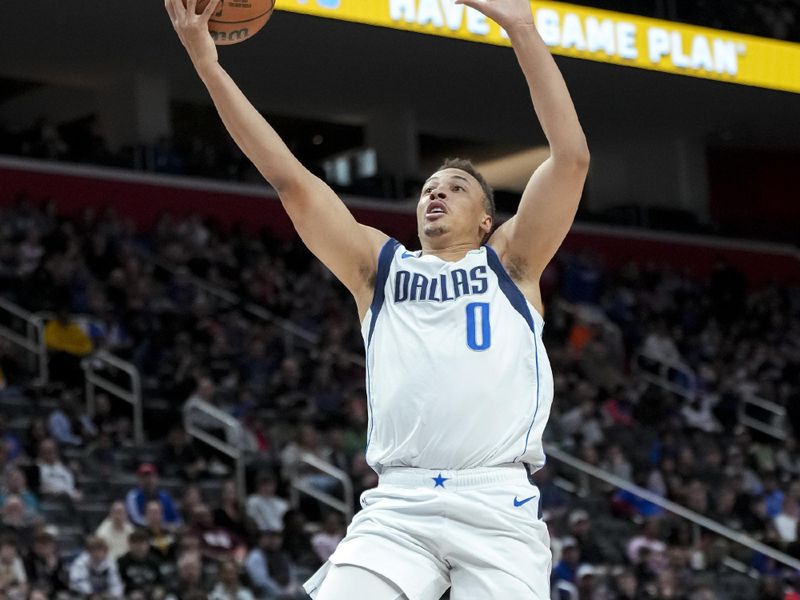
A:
(486, 224)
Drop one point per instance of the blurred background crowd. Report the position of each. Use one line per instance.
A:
(87, 512)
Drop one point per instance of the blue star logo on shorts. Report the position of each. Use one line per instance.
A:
(439, 480)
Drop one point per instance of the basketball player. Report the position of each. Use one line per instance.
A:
(459, 384)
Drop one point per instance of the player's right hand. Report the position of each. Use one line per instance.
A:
(192, 29)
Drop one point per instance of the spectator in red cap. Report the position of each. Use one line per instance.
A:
(147, 490)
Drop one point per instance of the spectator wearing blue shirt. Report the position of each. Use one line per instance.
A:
(137, 499)
(772, 495)
(570, 559)
(64, 419)
(270, 569)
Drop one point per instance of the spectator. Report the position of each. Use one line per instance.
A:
(8, 438)
(13, 579)
(699, 414)
(229, 586)
(626, 587)
(36, 434)
(116, 530)
(659, 345)
(296, 540)
(325, 541)
(580, 528)
(44, 567)
(772, 494)
(103, 420)
(66, 345)
(100, 456)
(217, 543)
(95, 572)
(189, 581)
(229, 514)
(190, 543)
(648, 539)
(17, 484)
(567, 567)
(264, 507)
(138, 568)
(192, 496)
(306, 441)
(16, 522)
(587, 585)
(270, 569)
(786, 521)
(616, 463)
(29, 253)
(162, 539)
(147, 491)
(788, 457)
(55, 479)
(63, 421)
(180, 458)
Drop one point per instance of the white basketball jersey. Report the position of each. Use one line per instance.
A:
(457, 374)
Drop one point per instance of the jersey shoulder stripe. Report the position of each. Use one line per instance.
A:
(384, 264)
(509, 288)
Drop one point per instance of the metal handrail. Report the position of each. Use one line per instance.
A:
(95, 380)
(291, 330)
(233, 298)
(661, 376)
(33, 340)
(697, 519)
(298, 486)
(778, 412)
(234, 434)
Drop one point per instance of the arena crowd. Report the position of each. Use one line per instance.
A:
(86, 513)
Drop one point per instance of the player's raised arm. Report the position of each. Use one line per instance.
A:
(323, 222)
(529, 240)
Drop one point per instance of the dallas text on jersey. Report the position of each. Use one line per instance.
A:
(416, 287)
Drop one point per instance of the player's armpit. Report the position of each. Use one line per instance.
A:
(530, 239)
(326, 226)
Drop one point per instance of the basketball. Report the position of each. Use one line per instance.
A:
(236, 20)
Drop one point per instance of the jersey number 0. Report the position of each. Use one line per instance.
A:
(479, 333)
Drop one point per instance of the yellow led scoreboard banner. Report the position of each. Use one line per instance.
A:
(590, 34)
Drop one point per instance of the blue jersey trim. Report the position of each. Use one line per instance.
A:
(384, 264)
(518, 302)
(535, 410)
(509, 288)
(369, 408)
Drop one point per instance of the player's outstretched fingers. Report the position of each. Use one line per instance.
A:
(191, 7)
(171, 11)
(178, 10)
(210, 8)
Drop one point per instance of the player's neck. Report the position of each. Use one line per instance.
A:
(449, 252)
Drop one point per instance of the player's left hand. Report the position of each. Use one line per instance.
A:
(509, 14)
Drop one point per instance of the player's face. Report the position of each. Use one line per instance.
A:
(452, 205)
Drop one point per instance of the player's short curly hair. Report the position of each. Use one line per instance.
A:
(466, 165)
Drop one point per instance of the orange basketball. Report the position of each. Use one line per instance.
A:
(236, 20)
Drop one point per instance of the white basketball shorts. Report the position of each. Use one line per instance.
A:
(477, 531)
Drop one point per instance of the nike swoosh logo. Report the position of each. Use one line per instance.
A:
(521, 502)
(408, 255)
